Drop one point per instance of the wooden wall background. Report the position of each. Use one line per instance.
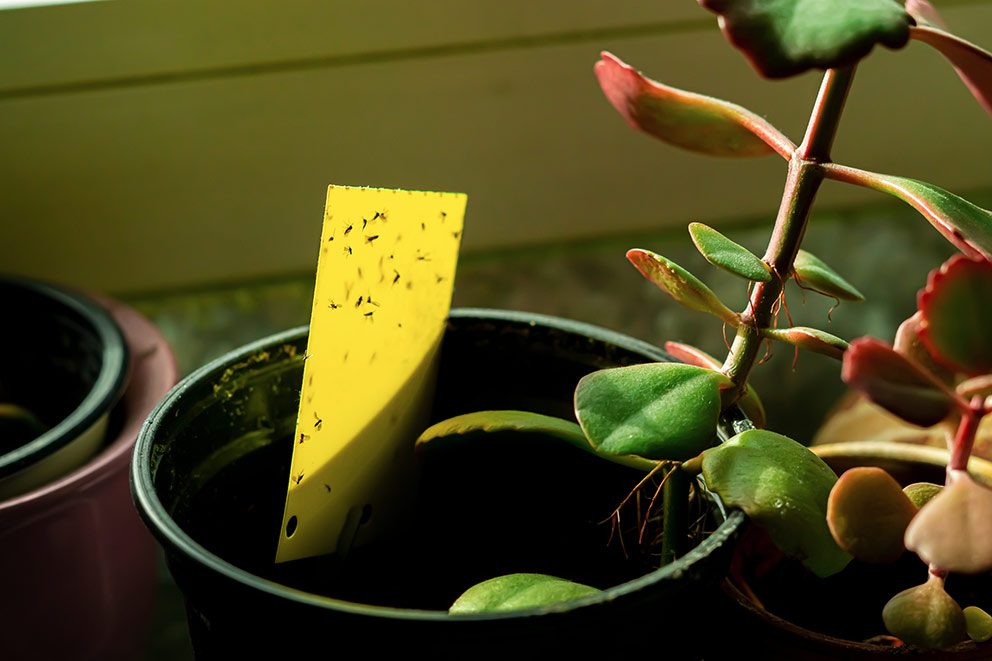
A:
(150, 145)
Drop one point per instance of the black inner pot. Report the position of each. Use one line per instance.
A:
(58, 349)
(220, 463)
(849, 604)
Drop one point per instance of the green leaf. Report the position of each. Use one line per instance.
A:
(921, 493)
(811, 271)
(896, 383)
(681, 285)
(956, 312)
(466, 427)
(810, 339)
(657, 410)
(868, 514)
(979, 624)
(782, 487)
(724, 253)
(786, 37)
(749, 402)
(518, 591)
(926, 616)
(967, 226)
(685, 119)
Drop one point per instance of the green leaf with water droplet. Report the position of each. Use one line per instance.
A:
(518, 591)
(657, 410)
(727, 255)
(783, 487)
(812, 272)
(681, 285)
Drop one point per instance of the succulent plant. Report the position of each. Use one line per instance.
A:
(668, 412)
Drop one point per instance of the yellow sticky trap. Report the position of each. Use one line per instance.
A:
(384, 282)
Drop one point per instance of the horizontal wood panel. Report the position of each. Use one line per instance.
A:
(102, 41)
(158, 186)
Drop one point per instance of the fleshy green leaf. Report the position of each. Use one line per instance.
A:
(925, 616)
(967, 226)
(656, 410)
(518, 591)
(979, 624)
(812, 272)
(724, 253)
(681, 285)
(810, 339)
(956, 312)
(783, 487)
(685, 119)
(464, 427)
(895, 383)
(973, 64)
(786, 37)
(868, 513)
(921, 493)
(749, 402)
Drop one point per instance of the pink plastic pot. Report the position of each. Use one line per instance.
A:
(77, 567)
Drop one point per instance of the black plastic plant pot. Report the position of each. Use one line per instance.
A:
(209, 478)
(64, 366)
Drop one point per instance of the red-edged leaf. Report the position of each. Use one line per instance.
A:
(786, 37)
(967, 226)
(685, 119)
(681, 285)
(924, 13)
(973, 64)
(749, 402)
(909, 344)
(810, 339)
(956, 308)
(895, 383)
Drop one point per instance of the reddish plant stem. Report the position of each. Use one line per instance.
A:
(964, 437)
(801, 185)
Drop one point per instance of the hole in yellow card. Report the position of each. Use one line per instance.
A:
(383, 291)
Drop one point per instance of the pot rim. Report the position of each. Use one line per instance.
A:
(153, 372)
(169, 533)
(106, 390)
